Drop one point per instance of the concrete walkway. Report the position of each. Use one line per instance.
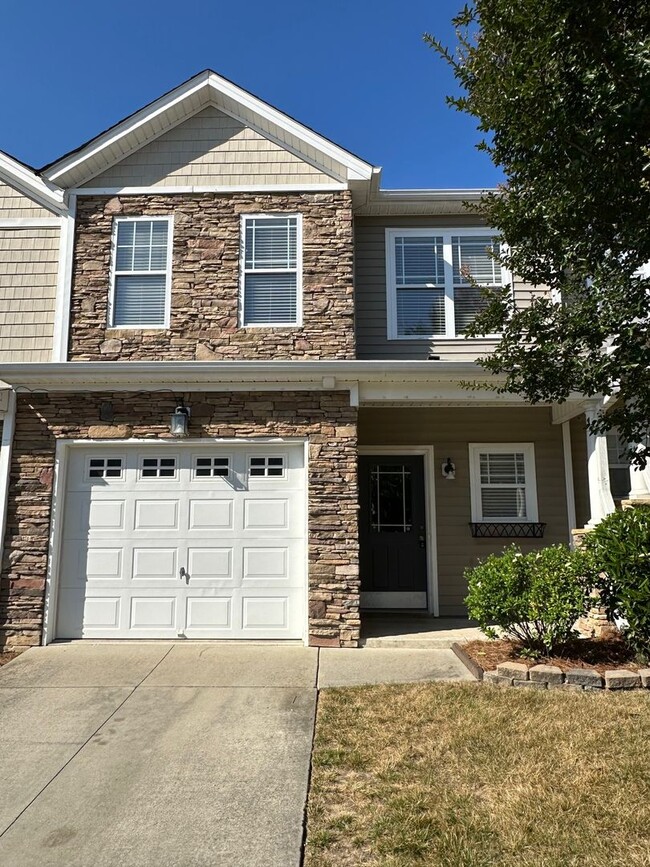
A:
(170, 754)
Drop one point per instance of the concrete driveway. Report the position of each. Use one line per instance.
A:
(146, 755)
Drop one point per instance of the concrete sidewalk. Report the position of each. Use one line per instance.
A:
(170, 754)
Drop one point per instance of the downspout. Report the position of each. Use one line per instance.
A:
(5, 465)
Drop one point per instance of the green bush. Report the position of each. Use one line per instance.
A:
(619, 548)
(534, 598)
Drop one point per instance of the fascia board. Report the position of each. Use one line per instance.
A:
(31, 185)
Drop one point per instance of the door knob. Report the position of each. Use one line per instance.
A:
(422, 541)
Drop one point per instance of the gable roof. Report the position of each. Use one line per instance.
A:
(23, 178)
(206, 88)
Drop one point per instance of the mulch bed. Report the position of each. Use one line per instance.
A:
(600, 654)
(7, 657)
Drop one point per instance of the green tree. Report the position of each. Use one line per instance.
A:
(561, 92)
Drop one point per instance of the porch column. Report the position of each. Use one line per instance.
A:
(639, 481)
(600, 495)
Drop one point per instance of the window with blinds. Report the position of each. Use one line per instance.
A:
(502, 478)
(141, 273)
(271, 270)
(432, 277)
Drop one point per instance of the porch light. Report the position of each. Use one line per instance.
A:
(180, 420)
(449, 469)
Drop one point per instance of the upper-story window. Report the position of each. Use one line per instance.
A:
(141, 272)
(271, 270)
(430, 274)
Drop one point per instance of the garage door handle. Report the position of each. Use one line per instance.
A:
(185, 574)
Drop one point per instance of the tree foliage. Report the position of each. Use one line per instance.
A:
(562, 93)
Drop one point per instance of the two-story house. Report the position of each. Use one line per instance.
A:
(235, 402)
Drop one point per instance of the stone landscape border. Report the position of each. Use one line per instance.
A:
(552, 677)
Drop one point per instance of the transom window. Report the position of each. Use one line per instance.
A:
(105, 468)
(271, 270)
(266, 466)
(502, 480)
(141, 273)
(430, 274)
(158, 468)
(211, 467)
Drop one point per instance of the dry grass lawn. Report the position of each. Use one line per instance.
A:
(471, 776)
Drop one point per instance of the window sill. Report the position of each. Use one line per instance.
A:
(507, 530)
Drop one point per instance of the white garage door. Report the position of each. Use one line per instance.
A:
(202, 542)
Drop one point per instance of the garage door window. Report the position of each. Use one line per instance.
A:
(158, 468)
(209, 468)
(104, 468)
(266, 467)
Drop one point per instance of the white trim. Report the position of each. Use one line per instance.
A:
(29, 184)
(213, 85)
(568, 478)
(601, 502)
(169, 219)
(427, 453)
(446, 234)
(528, 450)
(61, 455)
(31, 222)
(213, 188)
(64, 285)
(243, 271)
(6, 444)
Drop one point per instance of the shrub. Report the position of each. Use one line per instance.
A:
(619, 549)
(534, 598)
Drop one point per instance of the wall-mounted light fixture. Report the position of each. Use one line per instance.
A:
(449, 469)
(180, 421)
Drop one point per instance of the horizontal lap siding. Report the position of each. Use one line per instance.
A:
(28, 275)
(13, 205)
(449, 431)
(370, 287)
(210, 149)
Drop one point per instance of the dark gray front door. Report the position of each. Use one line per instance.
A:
(392, 522)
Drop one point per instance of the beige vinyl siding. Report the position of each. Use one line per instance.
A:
(370, 294)
(13, 205)
(580, 476)
(28, 275)
(449, 430)
(210, 149)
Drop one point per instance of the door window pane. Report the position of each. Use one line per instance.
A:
(391, 504)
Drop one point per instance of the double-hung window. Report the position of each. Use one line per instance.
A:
(141, 277)
(431, 280)
(271, 270)
(502, 482)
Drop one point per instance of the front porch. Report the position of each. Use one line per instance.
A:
(415, 632)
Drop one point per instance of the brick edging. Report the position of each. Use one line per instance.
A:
(551, 677)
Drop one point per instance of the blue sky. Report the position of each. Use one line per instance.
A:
(358, 72)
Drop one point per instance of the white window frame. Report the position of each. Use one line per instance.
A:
(391, 279)
(243, 270)
(168, 272)
(528, 449)
(265, 456)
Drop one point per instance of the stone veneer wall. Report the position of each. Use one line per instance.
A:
(205, 280)
(326, 418)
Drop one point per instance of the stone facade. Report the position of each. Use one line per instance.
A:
(205, 280)
(326, 418)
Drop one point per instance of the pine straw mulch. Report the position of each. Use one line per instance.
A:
(600, 654)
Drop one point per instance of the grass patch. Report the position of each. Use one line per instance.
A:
(466, 776)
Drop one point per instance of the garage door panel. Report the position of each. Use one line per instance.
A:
(164, 555)
(156, 515)
(213, 564)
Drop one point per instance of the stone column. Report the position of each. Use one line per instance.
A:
(600, 495)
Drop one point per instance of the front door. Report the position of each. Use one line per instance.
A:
(392, 534)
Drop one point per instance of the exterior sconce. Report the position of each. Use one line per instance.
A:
(449, 469)
(180, 420)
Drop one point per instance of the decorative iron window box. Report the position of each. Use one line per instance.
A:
(505, 530)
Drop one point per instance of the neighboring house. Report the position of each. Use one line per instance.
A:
(210, 266)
